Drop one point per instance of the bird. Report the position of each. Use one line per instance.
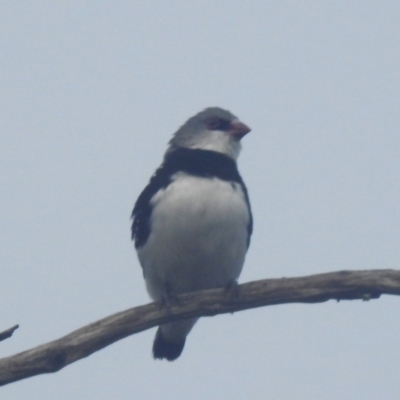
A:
(192, 223)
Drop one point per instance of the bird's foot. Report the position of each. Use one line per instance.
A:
(167, 300)
(165, 303)
(232, 289)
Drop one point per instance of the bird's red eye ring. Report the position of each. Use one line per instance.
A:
(213, 123)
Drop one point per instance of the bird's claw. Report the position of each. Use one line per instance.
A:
(232, 289)
(167, 300)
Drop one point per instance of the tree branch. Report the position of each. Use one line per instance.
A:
(343, 285)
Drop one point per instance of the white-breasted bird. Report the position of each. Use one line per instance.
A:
(192, 223)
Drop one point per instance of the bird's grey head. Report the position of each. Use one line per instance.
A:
(213, 129)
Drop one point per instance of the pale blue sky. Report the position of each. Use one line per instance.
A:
(90, 94)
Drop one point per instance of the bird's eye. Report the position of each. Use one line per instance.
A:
(213, 123)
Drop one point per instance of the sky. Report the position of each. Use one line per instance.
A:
(91, 92)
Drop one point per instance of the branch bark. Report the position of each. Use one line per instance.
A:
(8, 333)
(55, 355)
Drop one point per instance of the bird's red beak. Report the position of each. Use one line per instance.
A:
(238, 129)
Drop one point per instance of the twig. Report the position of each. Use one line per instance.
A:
(8, 333)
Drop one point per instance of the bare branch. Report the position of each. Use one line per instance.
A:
(8, 333)
(343, 285)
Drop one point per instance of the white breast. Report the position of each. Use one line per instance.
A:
(198, 236)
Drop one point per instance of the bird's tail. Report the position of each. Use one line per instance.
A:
(170, 339)
(162, 348)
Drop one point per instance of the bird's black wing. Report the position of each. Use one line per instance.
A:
(142, 210)
(250, 224)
